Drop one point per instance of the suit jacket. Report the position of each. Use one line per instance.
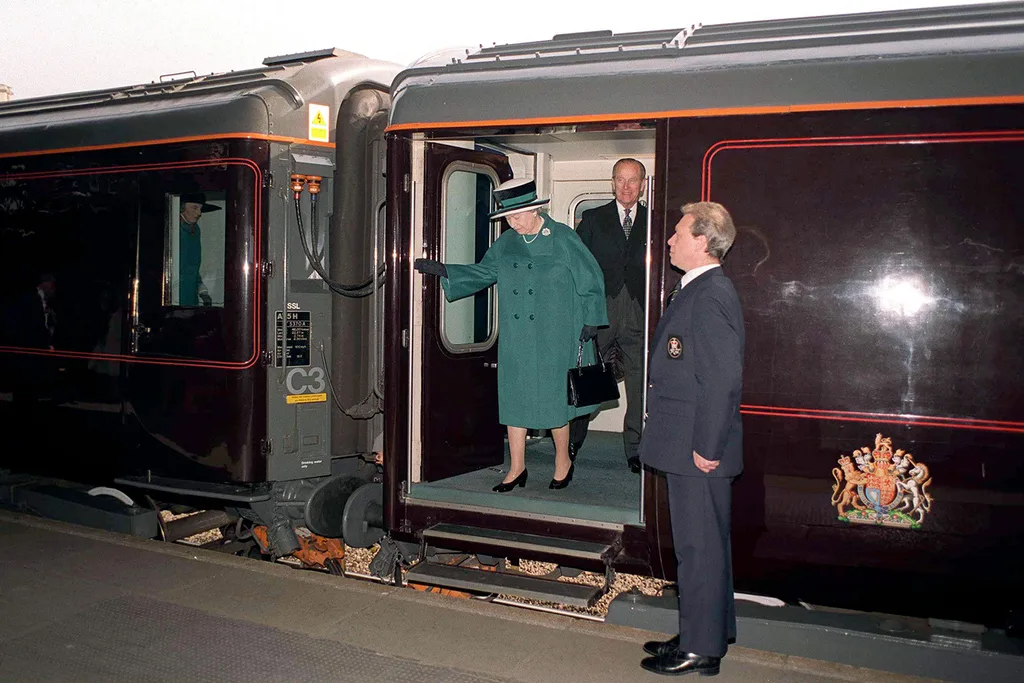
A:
(622, 263)
(696, 379)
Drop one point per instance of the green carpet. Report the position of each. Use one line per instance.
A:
(602, 488)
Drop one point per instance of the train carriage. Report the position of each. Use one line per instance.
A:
(193, 355)
(872, 164)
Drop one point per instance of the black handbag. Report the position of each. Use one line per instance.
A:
(591, 384)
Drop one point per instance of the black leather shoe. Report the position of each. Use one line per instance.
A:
(680, 663)
(562, 483)
(634, 464)
(518, 481)
(662, 647)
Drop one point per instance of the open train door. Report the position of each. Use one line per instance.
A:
(459, 410)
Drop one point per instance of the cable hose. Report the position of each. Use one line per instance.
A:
(352, 291)
(360, 411)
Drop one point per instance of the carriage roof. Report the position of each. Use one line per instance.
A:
(898, 58)
(268, 101)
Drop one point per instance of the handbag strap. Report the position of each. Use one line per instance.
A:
(597, 352)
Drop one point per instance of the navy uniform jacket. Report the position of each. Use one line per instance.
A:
(696, 378)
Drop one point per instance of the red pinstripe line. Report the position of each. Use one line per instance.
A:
(913, 423)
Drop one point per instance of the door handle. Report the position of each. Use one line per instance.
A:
(138, 331)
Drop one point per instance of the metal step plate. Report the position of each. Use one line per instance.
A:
(520, 585)
(464, 537)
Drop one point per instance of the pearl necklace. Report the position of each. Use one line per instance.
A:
(535, 235)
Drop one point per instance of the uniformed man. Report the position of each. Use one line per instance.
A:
(694, 434)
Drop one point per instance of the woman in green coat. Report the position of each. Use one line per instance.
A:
(551, 297)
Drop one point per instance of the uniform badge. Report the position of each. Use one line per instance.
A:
(675, 347)
(882, 487)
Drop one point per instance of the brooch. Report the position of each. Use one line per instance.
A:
(545, 232)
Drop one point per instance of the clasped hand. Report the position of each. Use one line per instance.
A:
(429, 267)
(704, 465)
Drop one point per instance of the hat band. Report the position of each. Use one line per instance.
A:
(514, 202)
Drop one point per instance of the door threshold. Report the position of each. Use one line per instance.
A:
(413, 500)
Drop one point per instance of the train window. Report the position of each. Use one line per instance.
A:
(468, 324)
(194, 250)
(585, 202)
(64, 249)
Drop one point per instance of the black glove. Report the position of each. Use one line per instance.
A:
(206, 299)
(428, 267)
(588, 333)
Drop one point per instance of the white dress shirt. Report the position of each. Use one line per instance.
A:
(693, 274)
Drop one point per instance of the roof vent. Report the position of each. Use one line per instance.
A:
(302, 57)
(583, 35)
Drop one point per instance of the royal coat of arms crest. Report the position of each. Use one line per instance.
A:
(881, 487)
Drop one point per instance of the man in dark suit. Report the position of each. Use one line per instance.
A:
(694, 435)
(616, 233)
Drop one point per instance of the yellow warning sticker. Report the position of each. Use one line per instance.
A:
(306, 398)
(319, 115)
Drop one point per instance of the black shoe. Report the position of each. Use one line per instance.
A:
(680, 663)
(562, 483)
(518, 481)
(662, 647)
(574, 449)
(634, 464)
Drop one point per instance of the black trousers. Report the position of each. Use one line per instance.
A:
(626, 318)
(701, 509)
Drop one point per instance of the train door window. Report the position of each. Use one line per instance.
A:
(468, 324)
(194, 250)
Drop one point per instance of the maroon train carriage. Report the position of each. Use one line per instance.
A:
(872, 164)
(253, 393)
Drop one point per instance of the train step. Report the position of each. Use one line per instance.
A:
(64, 501)
(508, 583)
(504, 543)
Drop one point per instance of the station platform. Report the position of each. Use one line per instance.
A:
(80, 604)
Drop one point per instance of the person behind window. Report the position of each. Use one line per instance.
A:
(32, 320)
(190, 250)
(551, 296)
(616, 233)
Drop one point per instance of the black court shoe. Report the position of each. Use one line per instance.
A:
(562, 483)
(518, 481)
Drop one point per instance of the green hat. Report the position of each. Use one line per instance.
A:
(514, 196)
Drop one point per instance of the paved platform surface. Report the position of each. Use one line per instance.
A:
(77, 604)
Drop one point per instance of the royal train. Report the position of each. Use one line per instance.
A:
(322, 389)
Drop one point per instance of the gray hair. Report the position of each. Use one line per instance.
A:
(714, 222)
(630, 160)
